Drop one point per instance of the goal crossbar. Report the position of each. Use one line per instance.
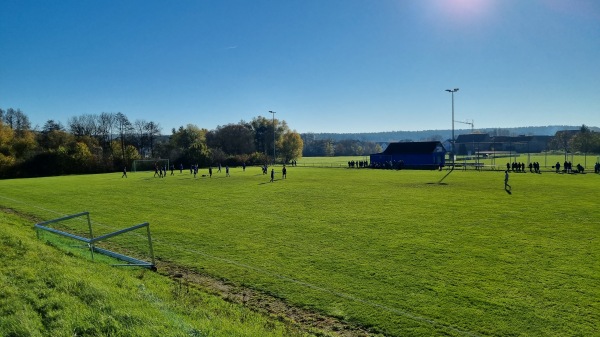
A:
(43, 226)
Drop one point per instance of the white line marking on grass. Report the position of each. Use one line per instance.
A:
(285, 278)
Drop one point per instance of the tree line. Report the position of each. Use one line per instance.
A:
(584, 140)
(314, 146)
(107, 142)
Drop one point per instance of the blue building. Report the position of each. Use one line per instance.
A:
(414, 155)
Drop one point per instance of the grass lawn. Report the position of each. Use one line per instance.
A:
(394, 251)
(47, 292)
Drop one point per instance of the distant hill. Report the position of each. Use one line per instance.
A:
(395, 136)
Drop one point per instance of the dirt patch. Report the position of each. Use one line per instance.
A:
(26, 216)
(304, 319)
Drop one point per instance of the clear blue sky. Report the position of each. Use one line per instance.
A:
(322, 65)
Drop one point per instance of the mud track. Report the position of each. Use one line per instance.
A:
(306, 320)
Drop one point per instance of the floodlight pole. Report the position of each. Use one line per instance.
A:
(273, 112)
(452, 91)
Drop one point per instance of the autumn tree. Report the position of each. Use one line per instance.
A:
(290, 146)
(188, 145)
(53, 135)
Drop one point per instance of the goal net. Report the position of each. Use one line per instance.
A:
(131, 246)
(149, 164)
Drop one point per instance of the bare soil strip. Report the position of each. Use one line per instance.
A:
(303, 319)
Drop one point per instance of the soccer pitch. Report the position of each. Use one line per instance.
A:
(393, 251)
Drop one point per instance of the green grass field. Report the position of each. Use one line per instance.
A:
(546, 161)
(396, 252)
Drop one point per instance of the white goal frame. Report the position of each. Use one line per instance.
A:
(134, 167)
(91, 240)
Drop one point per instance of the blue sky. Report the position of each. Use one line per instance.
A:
(322, 65)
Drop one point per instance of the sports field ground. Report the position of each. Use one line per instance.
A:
(395, 252)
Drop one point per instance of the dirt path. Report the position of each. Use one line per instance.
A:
(306, 320)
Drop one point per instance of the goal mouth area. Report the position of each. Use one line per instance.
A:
(141, 165)
(91, 241)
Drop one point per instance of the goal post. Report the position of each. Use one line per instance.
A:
(62, 227)
(149, 164)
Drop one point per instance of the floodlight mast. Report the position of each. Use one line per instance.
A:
(273, 112)
(452, 91)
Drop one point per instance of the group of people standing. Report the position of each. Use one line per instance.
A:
(161, 171)
(358, 164)
(520, 167)
(568, 167)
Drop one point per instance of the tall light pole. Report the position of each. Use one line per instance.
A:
(273, 112)
(452, 91)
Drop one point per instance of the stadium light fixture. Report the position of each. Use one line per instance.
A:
(452, 91)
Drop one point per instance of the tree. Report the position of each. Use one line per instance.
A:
(53, 136)
(140, 127)
(153, 130)
(260, 125)
(232, 139)
(16, 120)
(128, 154)
(124, 128)
(561, 141)
(51, 125)
(7, 136)
(24, 144)
(290, 146)
(581, 140)
(106, 124)
(189, 145)
(585, 141)
(84, 125)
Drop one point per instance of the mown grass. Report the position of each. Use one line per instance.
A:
(396, 251)
(45, 292)
(546, 160)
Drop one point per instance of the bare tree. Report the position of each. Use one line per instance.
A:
(124, 128)
(10, 118)
(16, 120)
(152, 132)
(106, 124)
(140, 127)
(84, 125)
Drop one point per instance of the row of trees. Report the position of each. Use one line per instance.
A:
(583, 140)
(316, 147)
(107, 142)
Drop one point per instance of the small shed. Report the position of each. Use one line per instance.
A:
(415, 155)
